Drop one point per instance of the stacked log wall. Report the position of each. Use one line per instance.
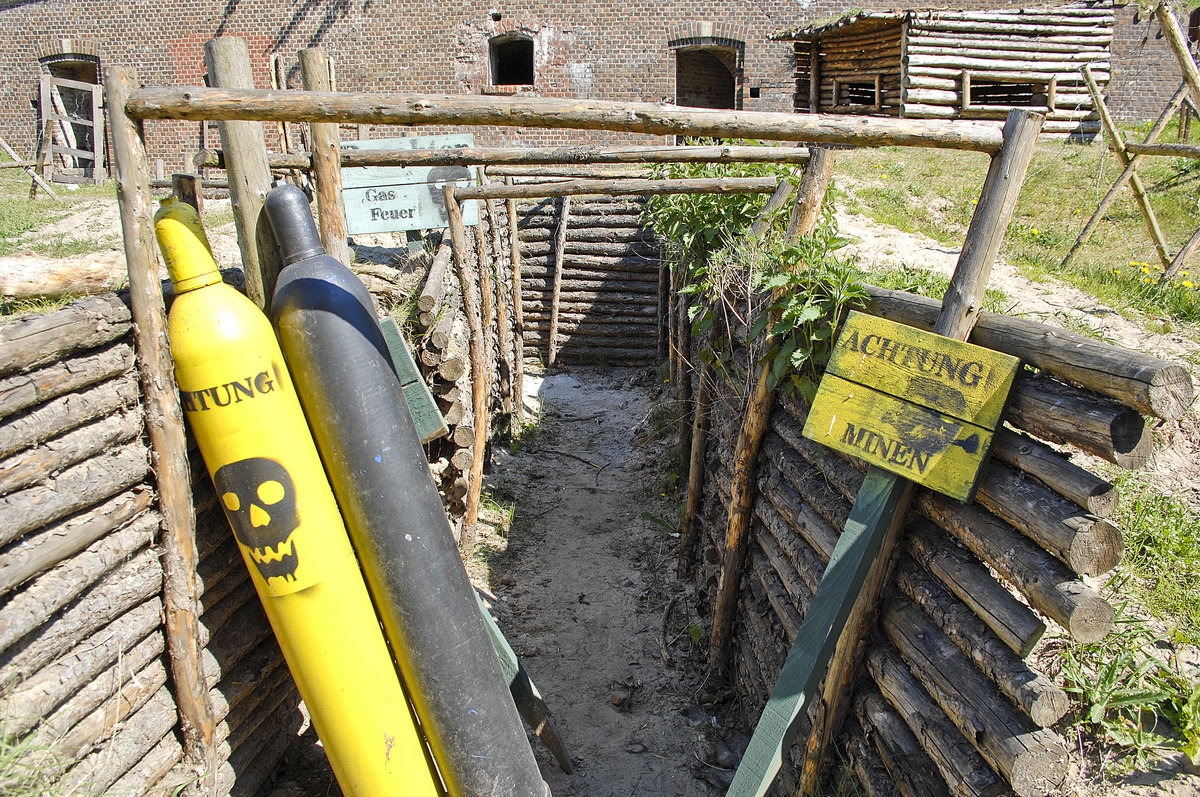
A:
(923, 59)
(608, 292)
(947, 697)
(84, 677)
(1042, 44)
(857, 56)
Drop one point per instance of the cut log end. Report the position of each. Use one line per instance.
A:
(1097, 550)
(1049, 707)
(1171, 392)
(1092, 619)
(1040, 769)
(1132, 444)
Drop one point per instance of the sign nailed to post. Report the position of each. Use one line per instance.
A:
(395, 198)
(912, 403)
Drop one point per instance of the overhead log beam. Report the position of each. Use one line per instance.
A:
(520, 156)
(198, 103)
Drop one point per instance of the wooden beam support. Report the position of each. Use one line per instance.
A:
(812, 191)
(560, 242)
(196, 103)
(720, 185)
(228, 61)
(326, 156)
(37, 180)
(520, 156)
(514, 242)
(1129, 174)
(164, 426)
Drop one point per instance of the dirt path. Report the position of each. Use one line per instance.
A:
(583, 581)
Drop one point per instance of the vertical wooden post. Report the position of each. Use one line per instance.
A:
(45, 163)
(827, 642)
(228, 60)
(560, 244)
(458, 243)
(99, 139)
(326, 160)
(186, 188)
(696, 467)
(1179, 46)
(487, 293)
(164, 426)
(504, 331)
(813, 187)
(518, 310)
(1131, 164)
(814, 77)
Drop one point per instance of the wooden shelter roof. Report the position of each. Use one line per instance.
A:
(861, 18)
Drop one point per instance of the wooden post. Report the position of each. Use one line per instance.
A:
(228, 60)
(813, 186)
(560, 243)
(1130, 173)
(487, 294)
(1189, 249)
(186, 188)
(514, 243)
(458, 241)
(326, 155)
(36, 179)
(1179, 46)
(849, 590)
(504, 330)
(44, 161)
(696, 467)
(819, 170)
(773, 206)
(164, 426)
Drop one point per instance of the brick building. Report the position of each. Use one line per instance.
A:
(713, 53)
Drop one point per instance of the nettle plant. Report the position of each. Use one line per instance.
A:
(784, 301)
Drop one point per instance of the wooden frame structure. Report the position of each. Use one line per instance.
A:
(1130, 154)
(924, 62)
(838, 621)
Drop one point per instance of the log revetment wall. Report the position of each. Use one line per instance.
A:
(947, 699)
(590, 281)
(85, 676)
(947, 64)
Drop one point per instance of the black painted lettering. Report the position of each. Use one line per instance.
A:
(971, 373)
(240, 390)
(850, 341)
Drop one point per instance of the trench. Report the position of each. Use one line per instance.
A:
(576, 554)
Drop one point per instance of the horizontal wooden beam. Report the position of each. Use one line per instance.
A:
(198, 103)
(520, 156)
(1171, 150)
(722, 185)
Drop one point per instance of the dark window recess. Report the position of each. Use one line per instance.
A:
(856, 94)
(755, 92)
(512, 62)
(1007, 93)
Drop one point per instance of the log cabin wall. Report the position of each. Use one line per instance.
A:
(979, 64)
(860, 69)
(608, 307)
(945, 64)
(84, 679)
(946, 702)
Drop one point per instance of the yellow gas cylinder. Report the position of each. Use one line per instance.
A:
(243, 410)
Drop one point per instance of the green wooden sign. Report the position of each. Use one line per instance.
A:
(424, 410)
(913, 403)
(395, 198)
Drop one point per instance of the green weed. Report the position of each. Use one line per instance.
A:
(1131, 692)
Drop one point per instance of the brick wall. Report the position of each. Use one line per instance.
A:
(588, 49)
(1145, 72)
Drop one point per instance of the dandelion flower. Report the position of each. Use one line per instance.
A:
(1035, 230)
(1187, 284)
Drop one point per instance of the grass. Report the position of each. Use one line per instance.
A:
(1162, 556)
(933, 192)
(930, 284)
(21, 216)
